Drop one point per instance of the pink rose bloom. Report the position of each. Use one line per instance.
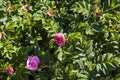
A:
(59, 39)
(9, 70)
(32, 63)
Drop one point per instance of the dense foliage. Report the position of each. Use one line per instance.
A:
(92, 32)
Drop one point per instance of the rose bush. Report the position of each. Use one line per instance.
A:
(60, 40)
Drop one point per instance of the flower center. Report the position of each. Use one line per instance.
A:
(33, 64)
(60, 39)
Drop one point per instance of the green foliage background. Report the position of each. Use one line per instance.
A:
(92, 30)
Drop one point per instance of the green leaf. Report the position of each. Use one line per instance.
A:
(96, 27)
(60, 56)
(8, 78)
(36, 16)
(89, 51)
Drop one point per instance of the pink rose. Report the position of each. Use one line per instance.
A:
(9, 70)
(59, 39)
(32, 63)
